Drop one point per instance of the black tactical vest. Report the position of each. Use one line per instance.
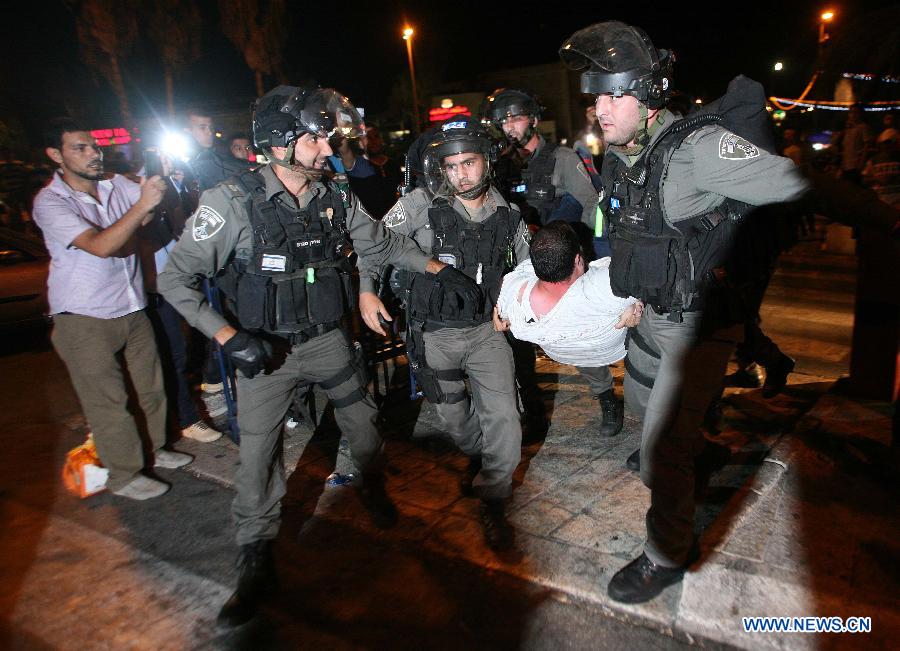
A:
(531, 187)
(298, 273)
(482, 251)
(666, 264)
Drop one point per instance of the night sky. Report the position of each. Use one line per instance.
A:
(356, 47)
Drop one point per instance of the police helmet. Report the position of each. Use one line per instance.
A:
(459, 135)
(507, 102)
(287, 112)
(619, 59)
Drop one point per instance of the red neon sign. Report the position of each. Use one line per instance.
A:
(117, 136)
(441, 114)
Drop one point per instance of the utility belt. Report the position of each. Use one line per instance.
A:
(302, 336)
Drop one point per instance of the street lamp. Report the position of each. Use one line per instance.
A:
(778, 67)
(824, 17)
(407, 36)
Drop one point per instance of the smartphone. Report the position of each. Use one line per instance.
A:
(152, 164)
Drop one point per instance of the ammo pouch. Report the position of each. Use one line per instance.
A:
(656, 270)
(326, 299)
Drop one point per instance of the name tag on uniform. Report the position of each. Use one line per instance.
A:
(273, 262)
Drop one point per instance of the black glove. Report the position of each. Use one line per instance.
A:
(460, 285)
(248, 353)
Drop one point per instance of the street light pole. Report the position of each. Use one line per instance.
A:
(407, 36)
(824, 17)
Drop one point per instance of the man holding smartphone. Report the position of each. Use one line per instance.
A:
(97, 302)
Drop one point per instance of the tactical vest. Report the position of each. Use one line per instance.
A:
(483, 251)
(669, 265)
(532, 186)
(297, 277)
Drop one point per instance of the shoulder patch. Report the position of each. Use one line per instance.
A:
(395, 216)
(207, 222)
(583, 171)
(733, 147)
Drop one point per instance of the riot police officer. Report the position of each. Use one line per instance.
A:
(546, 180)
(465, 222)
(673, 192)
(278, 241)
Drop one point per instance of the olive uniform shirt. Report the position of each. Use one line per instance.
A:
(711, 164)
(220, 228)
(409, 217)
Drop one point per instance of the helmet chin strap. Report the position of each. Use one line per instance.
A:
(642, 135)
(474, 192)
(288, 162)
(526, 137)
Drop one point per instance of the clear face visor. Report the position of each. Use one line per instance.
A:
(433, 163)
(325, 113)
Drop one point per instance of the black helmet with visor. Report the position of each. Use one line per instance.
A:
(507, 102)
(286, 113)
(459, 135)
(619, 59)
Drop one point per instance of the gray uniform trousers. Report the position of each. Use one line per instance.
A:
(102, 355)
(599, 377)
(263, 402)
(686, 378)
(487, 423)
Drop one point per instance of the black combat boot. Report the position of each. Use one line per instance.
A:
(469, 474)
(714, 457)
(535, 425)
(256, 580)
(776, 376)
(376, 501)
(498, 534)
(633, 462)
(748, 377)
(641, 580)
(613, 414)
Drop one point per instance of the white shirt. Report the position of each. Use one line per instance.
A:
(579, 329)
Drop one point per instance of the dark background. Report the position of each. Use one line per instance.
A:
(356, 47)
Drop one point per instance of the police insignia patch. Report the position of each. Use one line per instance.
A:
(395, 216)
(207, 222)
(733, 147)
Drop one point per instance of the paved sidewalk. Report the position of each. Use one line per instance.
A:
(802, 522)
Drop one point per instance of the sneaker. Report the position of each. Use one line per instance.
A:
(202, 432)
(171, 459)
(142, 488)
